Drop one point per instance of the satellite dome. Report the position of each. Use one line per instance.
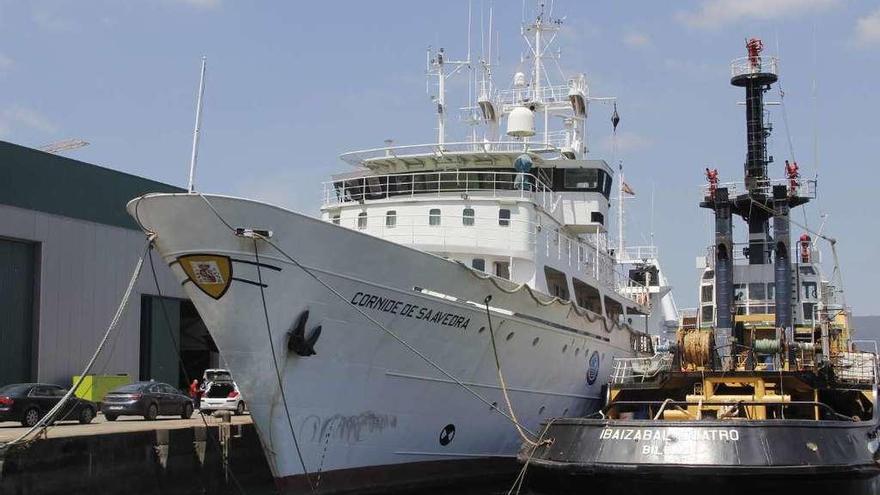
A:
(521, 122)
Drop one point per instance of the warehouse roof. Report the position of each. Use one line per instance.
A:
(55, 184)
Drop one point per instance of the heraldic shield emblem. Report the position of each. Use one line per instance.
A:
(211, 273)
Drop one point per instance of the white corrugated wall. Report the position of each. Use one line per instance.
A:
(82, 270)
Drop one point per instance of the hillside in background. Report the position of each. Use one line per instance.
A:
(867, 328)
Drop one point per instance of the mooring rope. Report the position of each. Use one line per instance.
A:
(501, 382)
(46, 420)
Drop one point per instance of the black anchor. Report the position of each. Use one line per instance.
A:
(296, 337)
(447, 435)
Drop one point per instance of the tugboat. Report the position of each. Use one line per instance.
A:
(764, 387)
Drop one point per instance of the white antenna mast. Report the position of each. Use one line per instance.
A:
(436, 67)
(197, 129)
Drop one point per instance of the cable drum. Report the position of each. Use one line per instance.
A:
(696, 348)
(768, 346)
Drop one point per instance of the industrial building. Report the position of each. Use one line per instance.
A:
(67, 251)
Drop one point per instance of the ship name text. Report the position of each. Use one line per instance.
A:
(408, 310)
(651, 434)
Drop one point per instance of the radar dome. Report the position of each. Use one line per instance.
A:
(521, 122)
(523, 164)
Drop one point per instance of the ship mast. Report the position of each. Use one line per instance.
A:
(760, 201)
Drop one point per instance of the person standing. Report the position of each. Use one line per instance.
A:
(194, 392)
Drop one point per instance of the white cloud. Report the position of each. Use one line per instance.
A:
(18, 117)
(717, 13)
(636, 40)
(868, 29)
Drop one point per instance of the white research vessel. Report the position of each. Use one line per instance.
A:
(363, 340)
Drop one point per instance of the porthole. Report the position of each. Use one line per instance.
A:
(481, 329)
(535, 341)
(509, 336)
(565, 411)
(577, 351)
(564, 348)
(541, 410)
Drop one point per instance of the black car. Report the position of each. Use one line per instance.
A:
(147, 399)
(28, 402)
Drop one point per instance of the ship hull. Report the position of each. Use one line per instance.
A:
(715, 457)
(365, 412)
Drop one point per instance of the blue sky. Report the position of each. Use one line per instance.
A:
(293, 84)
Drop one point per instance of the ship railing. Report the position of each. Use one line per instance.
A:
(739, 252)
(437, 151)
(681, 405)
(638, 254)
(508, 185)
(801, 187)
(689, 318)
(546, 95)
(589, 255)
(636, 370)
(754, 65)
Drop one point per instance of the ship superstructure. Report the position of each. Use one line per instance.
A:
(530, 206)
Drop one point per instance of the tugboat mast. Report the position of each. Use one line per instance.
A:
(761, 200)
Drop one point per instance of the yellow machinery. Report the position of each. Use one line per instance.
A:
(95, 387)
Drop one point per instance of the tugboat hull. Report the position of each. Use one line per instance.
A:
(717, 455)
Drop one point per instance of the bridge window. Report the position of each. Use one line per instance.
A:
(502, 269)
(706, 293)
(557, 284)
(467, 217)
(362, 220)
(478, 264)
(434, 217)
(587, 296)
(582, 180)
(504, 217)
(757, 292)
(809, 290)
(391, 219)
(808, 311)
(708, 315)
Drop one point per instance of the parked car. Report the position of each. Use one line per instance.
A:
(147, 399)
(222, 396)
(29, 402)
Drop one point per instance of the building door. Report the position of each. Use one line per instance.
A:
(16, 311)
(160, 339)
(172, 332)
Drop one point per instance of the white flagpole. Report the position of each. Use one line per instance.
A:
(196, 131)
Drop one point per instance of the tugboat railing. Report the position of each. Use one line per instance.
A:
(630, 370)
(678, 403)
